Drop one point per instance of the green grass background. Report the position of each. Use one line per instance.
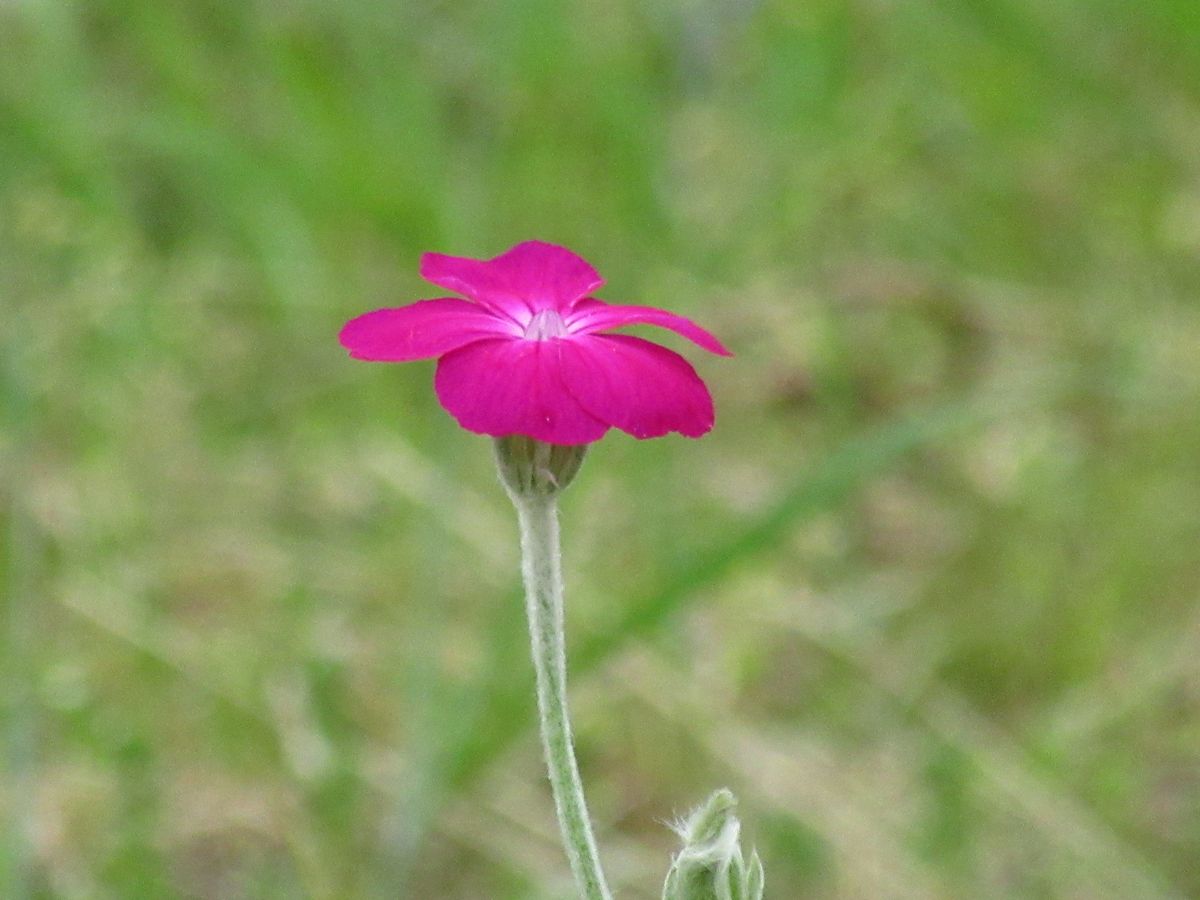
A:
(925, 599)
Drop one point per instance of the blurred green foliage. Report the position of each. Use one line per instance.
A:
(926, 599)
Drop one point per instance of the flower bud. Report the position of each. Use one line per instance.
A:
(710, 866)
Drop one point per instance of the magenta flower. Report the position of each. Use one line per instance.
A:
(524, 354)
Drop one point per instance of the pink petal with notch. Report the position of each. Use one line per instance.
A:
(421, 330)
(593, 315)
(529, 277)
(632, 384)
(502, 387)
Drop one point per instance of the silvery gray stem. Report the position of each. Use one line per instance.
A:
(534, 495)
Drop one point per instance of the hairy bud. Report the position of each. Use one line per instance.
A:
(711, 866)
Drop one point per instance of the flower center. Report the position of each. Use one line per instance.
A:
(545, 324)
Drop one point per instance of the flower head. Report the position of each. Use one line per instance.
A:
(527, 354)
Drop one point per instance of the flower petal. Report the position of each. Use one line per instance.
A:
(592, 315)
(502, 387)
(639, 387)
(529, 277)
(421, 330)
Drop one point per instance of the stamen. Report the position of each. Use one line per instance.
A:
(546, 323)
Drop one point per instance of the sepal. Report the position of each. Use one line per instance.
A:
(530, 468)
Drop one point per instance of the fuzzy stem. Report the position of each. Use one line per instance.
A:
(542, 571)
